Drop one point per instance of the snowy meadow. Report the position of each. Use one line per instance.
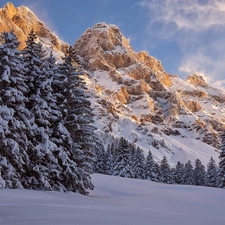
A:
(115, 201)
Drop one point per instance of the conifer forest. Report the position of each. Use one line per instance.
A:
(48, 140)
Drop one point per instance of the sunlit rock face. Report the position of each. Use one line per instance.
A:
(134, 87)
(196, 79)
(103, 47)
(22, 20)
(131, 93)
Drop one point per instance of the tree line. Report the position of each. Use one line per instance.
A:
(47, 137)
(126, 160)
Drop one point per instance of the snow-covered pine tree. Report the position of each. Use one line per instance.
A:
(32, 54)
(172, 171)
(139, 163)
(110, 159)
(13, 113)
(178, 173)
(199, 173)
(188, 176)
(123, 165)
(39, 72)
(79, 119)
(165, 173)
(157, 169)
(151, 168)
(101, 161)
(47, 114)
(211, 174)
(221, 169)
(2, 182)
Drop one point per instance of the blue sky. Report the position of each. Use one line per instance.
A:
(186, 36)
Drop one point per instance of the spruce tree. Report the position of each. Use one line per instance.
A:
(211, 174)
(199, 173)
(150, 168)
(188, 176)
(100, 164)
(123, 166)
(178, 173)
(13, 113)
(32, 54)
(2, 182)
(78, 119)
(39, 72)
(221, 170)
(110, 158)
(139, 164)
(165, 171)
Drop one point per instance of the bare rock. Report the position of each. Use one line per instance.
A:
(193, 106)
(196, 79)
(22, 20)
(195, 93)
(211, 139)
(122, 95)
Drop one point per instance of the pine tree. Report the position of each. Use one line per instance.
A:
(211, 175)
(150, 168)
(139, 163)
(165, 173)
(2, 182)
(13, 113)
(101, 161)
(32, 54)
(39, 72)
(178, 173)
(79, 119)
(199, 173)
(110, 158)
(221, 170)
(123, 163)
(188, 176)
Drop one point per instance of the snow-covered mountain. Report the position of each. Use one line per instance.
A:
(133, 96)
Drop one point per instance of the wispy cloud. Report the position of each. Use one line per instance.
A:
(198, 27)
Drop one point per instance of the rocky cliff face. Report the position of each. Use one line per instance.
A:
(22, 20)
(133, 96)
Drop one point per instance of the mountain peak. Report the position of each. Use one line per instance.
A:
(9, 10)
(22, 20)
(132, 95)
(103, 47)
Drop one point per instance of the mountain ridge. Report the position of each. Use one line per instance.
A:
(133, 96)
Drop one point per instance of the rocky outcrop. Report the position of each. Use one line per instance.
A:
(131, 93)
(195, 93)
(22, 20)
(196, 79)
(103, 47)
(193, 106)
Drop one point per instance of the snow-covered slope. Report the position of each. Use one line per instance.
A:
(115, 201)
(134, 97)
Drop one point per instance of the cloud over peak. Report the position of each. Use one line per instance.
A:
(198, 29)
(192, 15)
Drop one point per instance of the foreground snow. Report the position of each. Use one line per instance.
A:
(116, 201)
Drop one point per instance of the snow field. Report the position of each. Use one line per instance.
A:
(115, 201)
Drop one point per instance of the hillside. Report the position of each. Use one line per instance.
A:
(133, 96)
(117, 201)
